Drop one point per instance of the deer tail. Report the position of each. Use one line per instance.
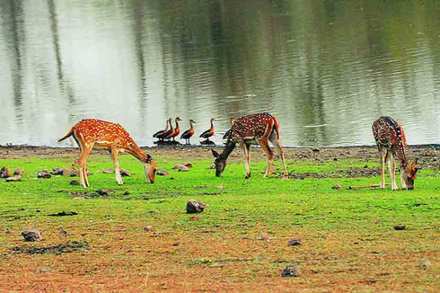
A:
(68, 134)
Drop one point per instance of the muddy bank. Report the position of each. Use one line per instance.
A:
(428, 155)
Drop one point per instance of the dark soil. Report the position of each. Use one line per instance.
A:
(70, 246)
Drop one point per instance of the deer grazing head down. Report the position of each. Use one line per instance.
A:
(219, 163)
(408, 174)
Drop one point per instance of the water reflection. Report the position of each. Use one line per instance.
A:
(327, 69)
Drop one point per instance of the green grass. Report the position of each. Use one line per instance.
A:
(237, 209)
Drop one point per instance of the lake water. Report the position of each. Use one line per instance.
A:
(326, 69)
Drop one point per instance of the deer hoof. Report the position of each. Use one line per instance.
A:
(247, 176)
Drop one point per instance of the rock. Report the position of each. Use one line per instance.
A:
(399, 227)
(57, 171)
(424, 264)
(194, 206)
(63, 214)
(43, 174)
(13, 178)
(148, 228)
(107, 171)
(18, 172)
(74, 182)
(337, 186)
(315, 150)
(188, 164)
(180, 168)
(290, 271)
(263, 236)
(162, 172)
(4, 172)
(194, 218)
(31, 235)
(294, 242)
(104, 192)
(43, 270)
(125, 173)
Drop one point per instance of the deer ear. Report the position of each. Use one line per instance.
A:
(214, 153)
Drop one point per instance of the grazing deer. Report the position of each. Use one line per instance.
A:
(187, 134)
(210, 132)
(391, 142)
(162, 133)
(102, 134)
(256, 128)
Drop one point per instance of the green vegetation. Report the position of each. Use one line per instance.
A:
(269, 210)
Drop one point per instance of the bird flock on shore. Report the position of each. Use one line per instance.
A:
(170, 133)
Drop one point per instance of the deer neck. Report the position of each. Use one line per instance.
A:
(230, 146)
(401, 156)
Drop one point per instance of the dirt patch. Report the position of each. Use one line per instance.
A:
(70, 246)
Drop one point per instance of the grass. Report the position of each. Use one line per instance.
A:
(238, 243)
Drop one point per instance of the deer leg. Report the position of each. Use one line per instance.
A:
(392, 171)
(276, 143)
(383, 161)
(269, 154)
(115, 160)
(85, 152)
(245, 148)
(393, 167)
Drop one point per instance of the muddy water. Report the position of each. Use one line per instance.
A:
(327, 69)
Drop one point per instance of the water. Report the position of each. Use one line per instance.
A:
(326, 69)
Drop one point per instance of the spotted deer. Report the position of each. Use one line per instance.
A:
(89, 133)
(252, 129)
(391, 142)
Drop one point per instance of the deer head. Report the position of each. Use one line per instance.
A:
(219, 162)
(408, 174)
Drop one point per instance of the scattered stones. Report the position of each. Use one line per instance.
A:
(399, 227)
(63, 214)
(43, 174)
(4, 172)
(424, 264)
(194, 206)
(13, 178)
(290, 271)
(70, 246)
(162, 172)
(104, 192)
(57, 171)
(31, 235)
(74, 182)
(125, 173)
(294, 242)
(181, 168)
(337, 186)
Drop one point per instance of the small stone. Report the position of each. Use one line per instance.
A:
(424, 264)
(162, 172)
(263, 236)
(181, 168)
(290, 271)
(336, 186)
(194, 206)
(399, 227)
(104, 192)
(125, 173)
(74, 182)
(18, 172)
(294, 242)
(315, 150)
(194, 218)
(31, 235)
(43, 270)
(4, 173)
(148, 228)
(57, 171)
(107, 171)
(43, 174)
(188, 164)
(13, 178)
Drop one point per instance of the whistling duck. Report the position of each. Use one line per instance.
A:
(160, 134)
(210, 132)
(175, 131)
(188, 133)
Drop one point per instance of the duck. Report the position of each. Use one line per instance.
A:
(172, 135)
(208, 133)
(160, 133)
(187, 134)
